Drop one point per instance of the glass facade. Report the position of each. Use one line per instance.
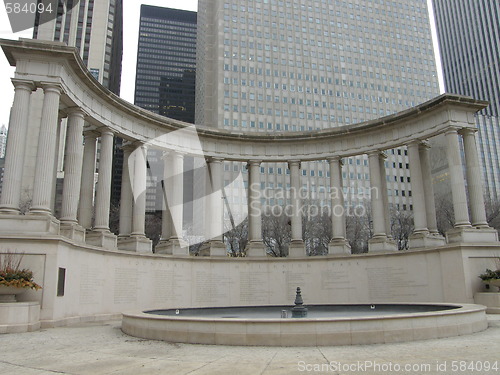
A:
(166, 62)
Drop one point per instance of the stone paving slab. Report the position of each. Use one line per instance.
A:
(101, 348)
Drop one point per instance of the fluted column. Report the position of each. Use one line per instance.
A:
(385, 196)
(172, 224)
(87, 184)
(126, 197)
(215, 208)
(377, 203)
(140, 178)
(296, 248)
(16, 144)
(255, 245)
(380, 240)
(474, 179)
(100, 235)
(417, 187)
(72, 166)
(47, 142)
(338, 244)
(103, 194)
(166, 223)
(430, 205)
(457, 180)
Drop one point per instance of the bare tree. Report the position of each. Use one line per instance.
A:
(316, 230)
(445, 216)
(237, 239)
(276, 233)
(359, 228)
(493, 213)
(402, 226)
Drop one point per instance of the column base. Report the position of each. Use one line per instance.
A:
(339, 247)
(297, 249)
(218, 249)
(472, 235)
(381, 244)
(426, 240)
(104, 239)
(256, 249)
(28, 224)
(173, 246)
(138, 244)
(73, 231)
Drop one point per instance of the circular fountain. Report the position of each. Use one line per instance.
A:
(316, 325)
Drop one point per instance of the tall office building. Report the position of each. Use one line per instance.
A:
(165, 77)
(166, 62)
(286, 66)
(96, 29)
(469, 39)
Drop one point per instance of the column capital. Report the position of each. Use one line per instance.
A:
(24, 84)
(91, 134)
(75, 111)
(452, 130)
(127, 146)
(425, 145)
(212, 159)
(335, 159)
(294, 162)
(51, 87)
(251, 163)
(468, 131)
(105, 131)
(377, 153)
(138, 144)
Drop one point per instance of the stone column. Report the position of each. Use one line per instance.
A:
(430, 205)
(417, 188)
(87, 184)
(136, 199)
(126, 194)
(297, 247)
(100, 235)
(163, 246)
(47, 143)
(16, 144)
(215, 208)
(384, 193)
(72, 176)
(457, 180)
(379, 241)
(338, 244)
(474, 179)
(255, 245)
(173, 180)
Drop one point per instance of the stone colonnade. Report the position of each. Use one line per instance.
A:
(79, 188)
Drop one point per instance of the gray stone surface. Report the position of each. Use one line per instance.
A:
(101, 348)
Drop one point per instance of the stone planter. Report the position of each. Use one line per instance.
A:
(9, 293)
(493, 283)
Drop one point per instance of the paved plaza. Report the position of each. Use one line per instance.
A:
(101, 348)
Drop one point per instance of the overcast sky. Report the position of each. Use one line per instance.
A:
(131, 27)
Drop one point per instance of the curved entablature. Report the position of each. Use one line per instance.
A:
(43, 62)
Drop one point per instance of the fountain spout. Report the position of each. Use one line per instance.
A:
(299, 311)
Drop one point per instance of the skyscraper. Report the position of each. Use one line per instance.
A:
(469, 39)
(3, 140)
(166, 62)
(285, 66)
(96, 29)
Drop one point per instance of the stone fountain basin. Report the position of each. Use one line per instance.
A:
(325, 325)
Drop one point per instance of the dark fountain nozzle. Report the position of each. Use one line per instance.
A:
(299, 311)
